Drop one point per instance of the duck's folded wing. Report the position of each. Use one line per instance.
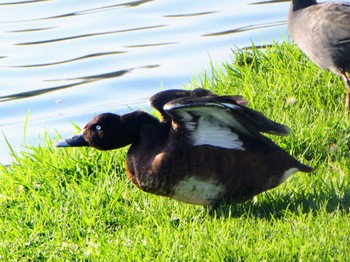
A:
(159, 99)
(255, 121)
(219, 121)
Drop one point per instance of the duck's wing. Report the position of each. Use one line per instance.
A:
(219, 121)
(158, 100)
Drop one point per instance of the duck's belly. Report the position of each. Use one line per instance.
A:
(198, 192)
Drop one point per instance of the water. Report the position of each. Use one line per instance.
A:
(65, 61)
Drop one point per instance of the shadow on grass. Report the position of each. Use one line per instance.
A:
(276, 207)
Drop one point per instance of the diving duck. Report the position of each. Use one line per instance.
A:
(206, 149)
(322, 32)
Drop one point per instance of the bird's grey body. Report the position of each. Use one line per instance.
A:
(322, 31)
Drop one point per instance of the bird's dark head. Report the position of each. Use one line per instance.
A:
(105, 132)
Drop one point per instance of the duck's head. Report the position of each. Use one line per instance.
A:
(104, 132)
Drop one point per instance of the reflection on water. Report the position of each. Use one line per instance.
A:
(65, 61)
(247, 28)
(72, 59)
(87, 35)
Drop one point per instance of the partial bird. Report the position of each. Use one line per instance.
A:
(322, 32)
(206, 149)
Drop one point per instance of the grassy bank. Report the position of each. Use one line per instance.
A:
(78, 204)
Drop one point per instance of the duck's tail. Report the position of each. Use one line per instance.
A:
(304, 168)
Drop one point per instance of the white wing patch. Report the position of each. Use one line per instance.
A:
(207, 130)
(226, 118)
(211, 133)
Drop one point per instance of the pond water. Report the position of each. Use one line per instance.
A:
(64, 61)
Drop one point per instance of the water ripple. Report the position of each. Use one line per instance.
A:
(76, 13)
(22, 2)
(247, 28)
(191, 15)
(269, 2)
(71, 60)
(31, 30)
(81, 80)
(152, 45)
(90, 35)
(101, 9)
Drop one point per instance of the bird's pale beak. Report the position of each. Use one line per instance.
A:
(75, 141)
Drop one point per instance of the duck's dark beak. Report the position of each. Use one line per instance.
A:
(77, 140)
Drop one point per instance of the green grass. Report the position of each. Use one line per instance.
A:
(78, 204)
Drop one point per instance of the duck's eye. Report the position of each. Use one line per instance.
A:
(98, 127)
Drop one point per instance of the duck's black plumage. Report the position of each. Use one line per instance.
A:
(207, 148)
(322, 31)
(159, 99)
